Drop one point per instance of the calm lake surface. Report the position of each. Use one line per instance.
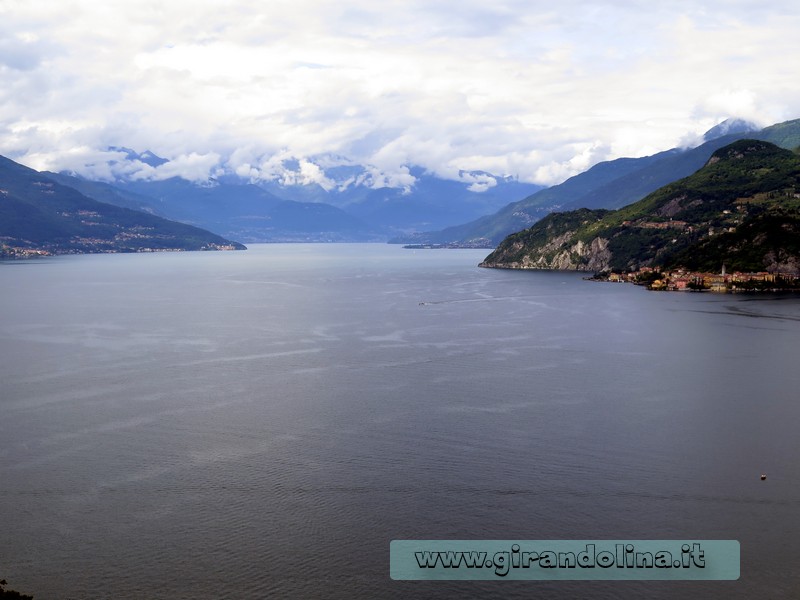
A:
(262, 424)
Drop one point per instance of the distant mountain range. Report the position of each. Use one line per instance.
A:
(236, 209)
(349, 203)
(741, 210)
(333, 199)
(39, 215)
(427, 203)
(610, 185)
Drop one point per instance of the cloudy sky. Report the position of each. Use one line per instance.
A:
(541, 90)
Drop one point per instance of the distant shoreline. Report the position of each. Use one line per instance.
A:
(449, 246)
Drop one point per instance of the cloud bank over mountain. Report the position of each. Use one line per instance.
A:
(283, 90)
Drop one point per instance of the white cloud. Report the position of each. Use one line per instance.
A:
(581, 156)
(288, 170)
(192, 166)
(479, 182)
(517, 87)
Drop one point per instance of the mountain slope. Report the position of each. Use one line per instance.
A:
(433, 202)
(430, 202)
(742, 209)
(611, 184)
(247, 212)
(363, 203)
(40, 214)
(490, 229)
(105, 192)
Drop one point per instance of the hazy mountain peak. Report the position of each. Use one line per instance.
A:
(147, 157)
(729, 126)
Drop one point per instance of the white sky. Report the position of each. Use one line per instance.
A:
(537, 89)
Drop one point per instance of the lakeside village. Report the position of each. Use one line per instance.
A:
(682, 280)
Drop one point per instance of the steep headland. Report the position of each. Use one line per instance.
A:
(741, 209)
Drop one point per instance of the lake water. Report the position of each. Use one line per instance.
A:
(262, 424)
